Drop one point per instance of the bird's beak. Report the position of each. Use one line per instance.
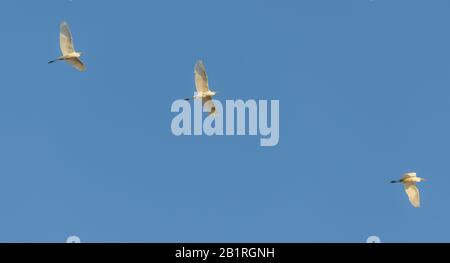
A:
(424, 179)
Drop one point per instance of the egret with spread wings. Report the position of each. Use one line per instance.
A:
(409, 181)
(68, 51)
(202, 87)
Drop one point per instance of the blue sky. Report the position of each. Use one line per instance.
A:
(364, 97)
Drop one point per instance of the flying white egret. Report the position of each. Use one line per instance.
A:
(202, 87)
(409, 181)
(68, 52)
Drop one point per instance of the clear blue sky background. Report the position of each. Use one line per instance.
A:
(364, 90)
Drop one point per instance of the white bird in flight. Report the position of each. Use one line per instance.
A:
(409, 181)
(68, 52)
(202, 87)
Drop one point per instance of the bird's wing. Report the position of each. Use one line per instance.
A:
(76, 62)
(410, 175)
(201, 79)
(413, 194)
(210, 104)
(65, 39)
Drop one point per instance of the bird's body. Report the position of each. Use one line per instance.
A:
(202, 87)
(409, 181)
(68, 52)
(73, 55)
(201, 94)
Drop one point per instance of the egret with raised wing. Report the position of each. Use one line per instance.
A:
(68, 51)
(202, 87)
(409, 181)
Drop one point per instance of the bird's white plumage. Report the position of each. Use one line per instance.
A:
(202, 87)
(67, 48)
(409, 181)
(406, 175)
(413, 193)
(201, 79)
(77, 63)
(65, 39)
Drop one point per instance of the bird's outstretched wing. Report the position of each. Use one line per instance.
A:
(65, 39)
(209, 104)
(201, 79)
(413, 194)
(77, 63)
